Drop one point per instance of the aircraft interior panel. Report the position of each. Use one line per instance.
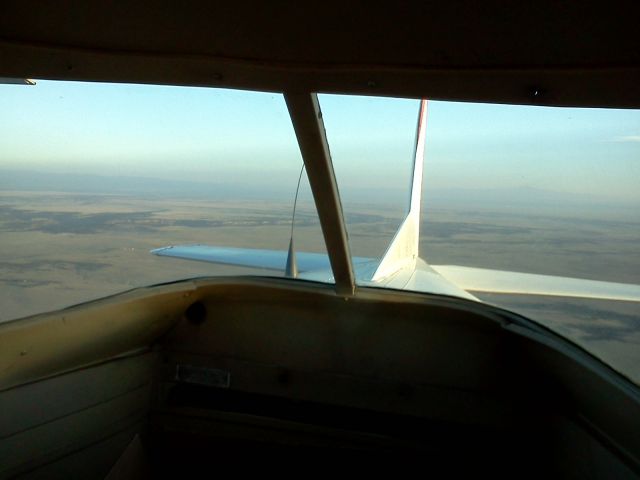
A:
(259, 370)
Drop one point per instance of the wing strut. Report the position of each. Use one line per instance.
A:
(306, 117)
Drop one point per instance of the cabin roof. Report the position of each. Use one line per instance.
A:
(544, 52)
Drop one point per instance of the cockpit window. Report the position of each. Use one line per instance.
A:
(371, 141)
(546, 191)
(95, 176)
(108, 187)
(534, 209)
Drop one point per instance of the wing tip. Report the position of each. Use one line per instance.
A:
(161, 250)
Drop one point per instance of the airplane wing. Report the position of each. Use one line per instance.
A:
(253, 257)
(498, 281)
(246, 257)
(401, 268)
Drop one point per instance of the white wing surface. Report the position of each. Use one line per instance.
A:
(498, 281)
(252, 257)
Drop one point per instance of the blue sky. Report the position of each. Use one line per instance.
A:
(232, 136)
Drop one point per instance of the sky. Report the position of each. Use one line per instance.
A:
(236, 137)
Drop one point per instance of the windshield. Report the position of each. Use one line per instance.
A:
(549, 192)
(95, 176)
(109, 187)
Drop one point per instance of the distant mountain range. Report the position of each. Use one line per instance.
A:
(127, 185)
(526, 198)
